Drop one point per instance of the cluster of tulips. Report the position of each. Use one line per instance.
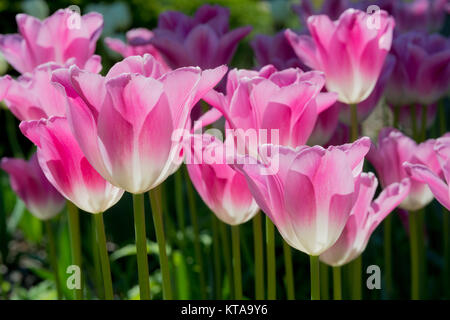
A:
(129, 130)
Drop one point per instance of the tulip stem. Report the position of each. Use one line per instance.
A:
(75, 242)
(237, 271)
(96, 258)
(104, 258)
(271, 267)
(196, 229)
(259, 257)
(396, 116)
(337, 283)
(156, 204)
(415, 263)
(414, 122)
(356, 266)
(315, 277)
(290, 291)
(141, 246)
(324, 285)
(423, 128)
(387, 234)
(217, 261)
(53, 258)
(226, 253)
(354, 122)
(179, 203)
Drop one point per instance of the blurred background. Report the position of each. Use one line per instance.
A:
(25, 273)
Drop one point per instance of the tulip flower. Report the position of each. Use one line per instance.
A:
(203, 40)
(223, 189)
(388, 157)
(288, 101)
(64, 38)
(30, 184)
(366, 107)
(65, 166)
(422, 71)
(137, 44)
(275, 50)
(426, 173)
(350, 51)
(126, 125)
(331, 8)
(324, 181)
(41, 100)
(364, 218)
(124, 122)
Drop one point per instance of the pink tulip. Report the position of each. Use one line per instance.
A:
(288, 101)
(388, 157)
(364, 218)
(331, 8)
(29, 183)
(311, 195)
(203, 40)
(438, 182)
(422, 71)
(275, 50)
(350, 51)
(223, 189)
(366, 107)
(64, 38)
(32, 96)
(124, 122)
(65, 166)
(138, 44)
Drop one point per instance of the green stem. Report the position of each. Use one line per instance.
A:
(315, 277)
(423, 127)
(179, 201)
(337, 283)
(324, 282)
(141, 246)
(415, 263)
(290, 291)
(75, 242)
(237, 271)
(354, 122)
(414, 122)
(217, 262)
(155, 200)
(53, 258)
(271, 266)
(388, 254)
(96, 258)
(259, 257)
(226, 253)
(196, 229)
(357, 278)
(396, 116)
(104, 258)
